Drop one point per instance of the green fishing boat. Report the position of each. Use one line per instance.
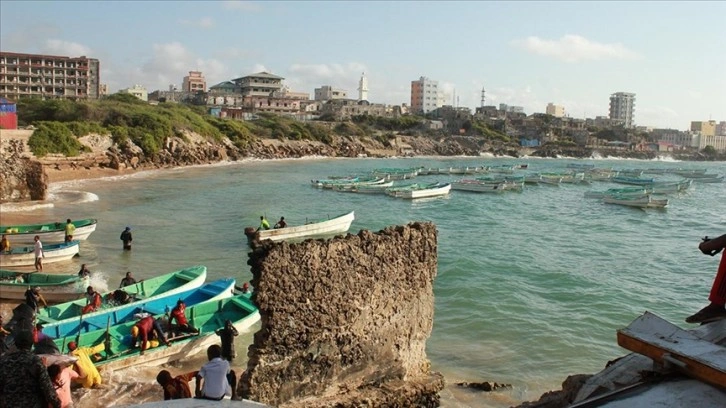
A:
(48, 232)
(164, 285)
(54, 287)
(207, 317)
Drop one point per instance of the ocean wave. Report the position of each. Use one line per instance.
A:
(25, 206)
(71, 196)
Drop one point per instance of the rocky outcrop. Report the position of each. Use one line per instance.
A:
(345, 321)
(21, 177)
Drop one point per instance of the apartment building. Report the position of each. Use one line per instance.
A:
(424, 96)
(194, 82)
(48, 76)
(327, 92)
(137, 91)
(622, 108)
(706, 128)
(555, 110)
(259, 84)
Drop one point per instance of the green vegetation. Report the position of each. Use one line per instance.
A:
(54, 137)
(480, 128)
(395, 124)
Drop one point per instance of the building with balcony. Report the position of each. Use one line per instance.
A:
(555, 110)
(137, 91)
(194, 82)
(48, 76)
(425, 96)
(259, 84)
(327, 92)
(622, 108)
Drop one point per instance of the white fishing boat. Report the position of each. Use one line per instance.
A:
(478, 186)
(332, 226)
(25, 256)
(646, 201)
(420, 190)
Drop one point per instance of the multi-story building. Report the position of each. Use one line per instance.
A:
(259, 84)
(194, 82)
(622, 108)
(327, 92)
(705, 128)
(511, 108)
(721, 129)
(48, 76)
(424, 95)
(555, 110)
(102, 90)
(137, 91)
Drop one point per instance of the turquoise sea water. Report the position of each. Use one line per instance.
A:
(531, 286)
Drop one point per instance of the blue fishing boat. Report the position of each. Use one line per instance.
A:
(219, 289)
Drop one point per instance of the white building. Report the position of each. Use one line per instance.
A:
(363, 88)
(555, 110)
(425, 96)
(622, 108)
(137, 91)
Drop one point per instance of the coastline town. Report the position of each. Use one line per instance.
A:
(253, 97)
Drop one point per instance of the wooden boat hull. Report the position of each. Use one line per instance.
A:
(24, 256)
(207, 317)
(219, 289)
(48, 233)
(160, 286)
(332, 226)
(55, 288)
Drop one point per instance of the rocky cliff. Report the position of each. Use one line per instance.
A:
(21, 177)
(345, 321)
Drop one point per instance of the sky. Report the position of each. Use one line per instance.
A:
(671, 54)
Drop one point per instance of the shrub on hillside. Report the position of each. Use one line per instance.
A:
(54, 137)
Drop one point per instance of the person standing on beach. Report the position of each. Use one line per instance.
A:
(24, 380)
(716, 309)
(70, 230)
(38, 250)
(127, 238)
(227, 335)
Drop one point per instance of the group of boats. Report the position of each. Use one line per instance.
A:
(642, 192)
(51, 235)
(208, 304)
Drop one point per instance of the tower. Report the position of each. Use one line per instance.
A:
(483, 93)
(622, 108)
(363, 88)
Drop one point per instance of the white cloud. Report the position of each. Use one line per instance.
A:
(307, 77)
(574, 48)
(71, 49)
(204, 23)
(241, 5)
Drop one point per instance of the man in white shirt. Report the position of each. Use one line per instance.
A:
(38, 249)
(215, 380)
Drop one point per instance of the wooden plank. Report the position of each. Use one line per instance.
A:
(666, 343)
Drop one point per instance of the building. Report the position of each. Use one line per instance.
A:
(622, 108)
(8, 114)
(424, 95)
(510, 108)
(363, 88)
(704, 128)
(555, 110)
(137, 91)
(259, 84)
(717, 142)
(48, 76)
(224, 88)
(194, 82)
(102, 90)
(327, 92)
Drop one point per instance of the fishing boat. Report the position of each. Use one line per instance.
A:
(25, 255)
(117, 314)
(626, 191)
(365, 188)
(207, 317)
(707, 178)
(54, 287)
(645, 201)
(478, 186)
(632, 180)
(413, 191)
(144, 291)
(352, 185)
(49, 232)
(331, 226)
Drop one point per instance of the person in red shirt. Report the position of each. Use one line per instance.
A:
(176, 387)
(716, 309)
(182, 324)
(144, 329)
(93, 301)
